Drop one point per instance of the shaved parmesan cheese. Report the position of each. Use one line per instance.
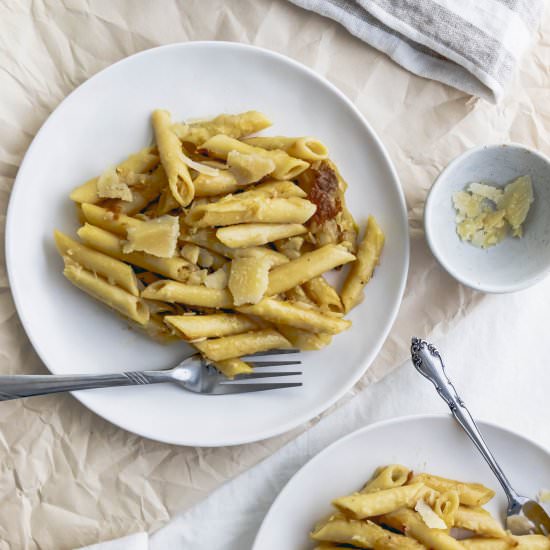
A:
(248, 279)
(487, 191)
(543, 496)
(110, 186)
(429, 517)
(190, 252)
(157, 237)
(197, 277)
(484, 213)
(201, 168)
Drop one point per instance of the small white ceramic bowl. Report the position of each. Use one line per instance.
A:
(513, 264)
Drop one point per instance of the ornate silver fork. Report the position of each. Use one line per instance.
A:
(193, 373)
(428, 362)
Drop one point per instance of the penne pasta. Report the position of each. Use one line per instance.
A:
(208, 239)
(524, 542)
(306, 267)
(409, 522)
(361, 534)
(286, 167)
(139, 163)
(387, 477)
(479, 521)
(116, 298)
(103, 241)
(235, 126)
(305, 148)
(470, 494)
(257, 234)
(212, 325)
(250, 210)
(114, 271)
(219, 349)
(191, 295)
(318, 290)
(304, 340)
(446, 505)
(366, 505)
(171, 157)
(233, 367)
(302, 317)
(368, 256)
(108, 220)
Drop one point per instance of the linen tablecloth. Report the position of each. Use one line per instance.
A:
(67, 477)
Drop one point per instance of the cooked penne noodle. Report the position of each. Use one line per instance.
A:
(103, 241)
(139, 163)
(221, 184)
(166, 203)
(273, 189)
(524, 542)
(257, 234)
(109, 268)
(470, 494)
(286, 167)
(446, 505)
(410, 522)
(250, 210)
(219, 349)
(191, 295)
(208, 239)
(235, 126)
(304, 340)
(305, 318)
(108, 220)
(362, 534)
(479, 521)
(171, 157)
(214, 325)
(368, 256)
(366, 505)
(233, 367)
(387, 477)
(306, 267)
(323, 294)
(306, 148)
(115, 297)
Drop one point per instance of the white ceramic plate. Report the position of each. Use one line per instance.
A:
(434, 444)
(107, 118)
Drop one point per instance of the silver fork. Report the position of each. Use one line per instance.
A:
(193, 373)
(428, 362)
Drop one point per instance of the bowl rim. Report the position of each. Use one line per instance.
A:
(521, 284)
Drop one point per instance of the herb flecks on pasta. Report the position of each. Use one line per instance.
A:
(396, 509)
(222, 238)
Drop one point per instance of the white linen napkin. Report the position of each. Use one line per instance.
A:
(472, 45)
(137, 541)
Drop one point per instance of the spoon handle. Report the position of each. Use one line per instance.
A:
(428, 362)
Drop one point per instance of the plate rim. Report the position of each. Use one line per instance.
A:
(81, 396)
(382, 424)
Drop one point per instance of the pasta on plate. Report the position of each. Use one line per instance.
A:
(397, 509)
(222, 238)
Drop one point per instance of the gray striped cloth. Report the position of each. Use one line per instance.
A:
(473, 45)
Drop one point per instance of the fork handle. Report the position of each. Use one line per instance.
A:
(428, 362)
(27, 385)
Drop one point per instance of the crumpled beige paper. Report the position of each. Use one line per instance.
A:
(69, 478)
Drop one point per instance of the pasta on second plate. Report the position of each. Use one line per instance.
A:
(397, 509)
(222, 238)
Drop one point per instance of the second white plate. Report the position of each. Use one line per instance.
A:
(434, 444)
(106, 119)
